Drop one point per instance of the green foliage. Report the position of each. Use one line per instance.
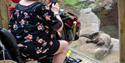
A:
(79, 5)
(71, 2)
(76, 4)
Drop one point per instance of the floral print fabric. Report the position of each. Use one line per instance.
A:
(32, 27)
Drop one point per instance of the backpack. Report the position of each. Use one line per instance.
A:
(71, 28)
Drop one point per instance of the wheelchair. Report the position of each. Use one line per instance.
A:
(8, 46)
(10, 51)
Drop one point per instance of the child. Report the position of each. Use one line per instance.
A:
(35, 26)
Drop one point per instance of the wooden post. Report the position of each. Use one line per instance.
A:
(121, 6)
(4, 13)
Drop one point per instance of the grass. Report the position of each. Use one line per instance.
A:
(76, 4)
(71, 2)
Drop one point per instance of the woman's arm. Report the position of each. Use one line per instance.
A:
(51, 14)
(55, 9)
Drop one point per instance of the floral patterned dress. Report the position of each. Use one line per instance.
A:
(34, 27)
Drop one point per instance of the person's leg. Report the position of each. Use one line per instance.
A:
(60, 55)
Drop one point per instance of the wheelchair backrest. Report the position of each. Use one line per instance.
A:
(7, 38)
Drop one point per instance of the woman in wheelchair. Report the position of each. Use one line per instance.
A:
(37, 28)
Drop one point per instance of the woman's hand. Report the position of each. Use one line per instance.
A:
(55, 8)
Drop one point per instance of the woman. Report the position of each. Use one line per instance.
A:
(35, 27)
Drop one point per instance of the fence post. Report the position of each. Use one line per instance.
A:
(4, 13)
(122, 28)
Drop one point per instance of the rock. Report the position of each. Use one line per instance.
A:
(108, 24)
(103, 42)
(116, 44)
(99, 53)
(109, 29)
(107, 4)
(102, 54)
(92, 0)
(90, 23)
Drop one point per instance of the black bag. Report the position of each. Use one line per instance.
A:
(71, 26)
(72, 60)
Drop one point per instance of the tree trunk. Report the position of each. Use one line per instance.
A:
(122, 28)
(4, 13)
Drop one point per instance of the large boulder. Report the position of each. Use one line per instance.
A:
(107, 11)
(90, 23)
(93, 51)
